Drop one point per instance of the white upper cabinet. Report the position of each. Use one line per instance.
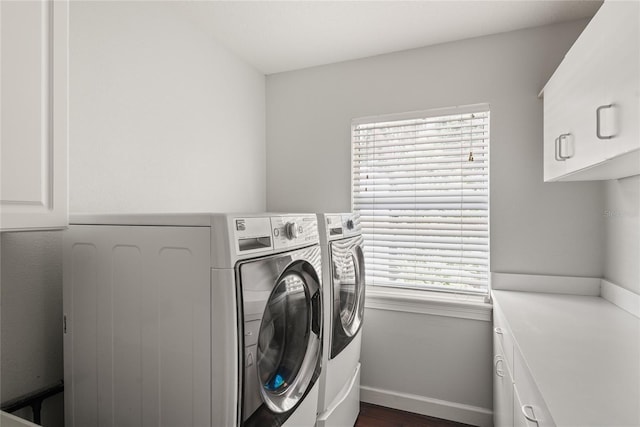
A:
(592, 101)
(33, 144)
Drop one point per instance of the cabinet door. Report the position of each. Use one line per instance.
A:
(519, 419)
(137, 341)
(619, 64)
(555, 122)
(527, 414)
(502, 390)
(605, 60)
(33, 142)
(529, 408)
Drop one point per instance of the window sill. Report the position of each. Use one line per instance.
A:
(426, 302)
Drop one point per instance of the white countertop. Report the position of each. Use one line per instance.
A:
(583, 353)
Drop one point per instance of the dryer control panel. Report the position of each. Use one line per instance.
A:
(351, 224)
(339, 226)
(334, 226)
(292, 231)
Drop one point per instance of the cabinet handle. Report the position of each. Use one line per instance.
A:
(560, 139)
(498, 331)
(558, 154)
(531, 417)
(557, 151)
(499, 372)
(598, 133)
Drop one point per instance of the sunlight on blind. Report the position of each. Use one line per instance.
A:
(421, 186)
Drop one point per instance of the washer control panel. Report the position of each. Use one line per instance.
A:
(252, 234)
(289, 231)
(269, 233)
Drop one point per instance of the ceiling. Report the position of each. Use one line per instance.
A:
(277, 36)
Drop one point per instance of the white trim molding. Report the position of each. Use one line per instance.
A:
(621, 297)
(424, 302)
(421, 114)
(572, 285)
(437, 408)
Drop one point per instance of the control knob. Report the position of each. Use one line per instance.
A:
(350, 224)
(291, 230)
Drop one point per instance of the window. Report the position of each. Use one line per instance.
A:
(420, 183)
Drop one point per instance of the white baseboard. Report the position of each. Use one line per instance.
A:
(571, 285)
(623, 298)
(453, 411)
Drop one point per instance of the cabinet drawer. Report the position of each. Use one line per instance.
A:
(503, 337)
(529, 406)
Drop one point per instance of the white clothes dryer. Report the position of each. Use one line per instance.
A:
(192, 319)
(343, 273)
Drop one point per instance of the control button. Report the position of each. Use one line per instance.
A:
(240, 225)
(291, 230)
(249, 359)
(276, 232)
(300, 229)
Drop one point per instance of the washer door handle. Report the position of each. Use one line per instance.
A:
(336, 271)
(316, 319)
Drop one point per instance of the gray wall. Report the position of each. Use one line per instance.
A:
(430, 364)
(31, 318)
(535, 227)
(161, 115)
(622, 224)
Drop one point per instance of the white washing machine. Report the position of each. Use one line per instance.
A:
(192, 319)
(276, 265)
(344, 293)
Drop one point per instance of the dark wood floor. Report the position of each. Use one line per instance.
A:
(379, 416)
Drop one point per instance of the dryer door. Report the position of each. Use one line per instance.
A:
(287, 349)
(348, 292)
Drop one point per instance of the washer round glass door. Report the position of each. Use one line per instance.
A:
(289, 341)
(351, 291)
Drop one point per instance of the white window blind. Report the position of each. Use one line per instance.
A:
(421, 187)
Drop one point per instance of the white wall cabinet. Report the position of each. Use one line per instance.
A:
(592, 101)
(34, 87)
